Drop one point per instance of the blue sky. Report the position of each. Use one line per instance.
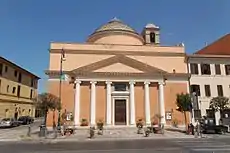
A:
(28, 26)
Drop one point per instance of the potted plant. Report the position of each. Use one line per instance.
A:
(155, 123)
(100, 126)
(139, 126)
(84, 122)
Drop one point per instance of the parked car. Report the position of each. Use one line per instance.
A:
(208, 125)
(9, 122)
(26, 120)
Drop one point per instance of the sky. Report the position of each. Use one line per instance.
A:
(28, 26)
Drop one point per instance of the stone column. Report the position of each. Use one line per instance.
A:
(108, 103)
(199, 69)
(132, 103)
(93, 103)
(162, 102)
(147, 104)
(77, 103)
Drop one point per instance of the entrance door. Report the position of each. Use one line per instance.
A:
(120, 112)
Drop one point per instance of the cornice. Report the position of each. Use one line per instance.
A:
(109, 52)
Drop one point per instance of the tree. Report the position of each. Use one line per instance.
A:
(46, 102)
(184, 104)
(219, 103)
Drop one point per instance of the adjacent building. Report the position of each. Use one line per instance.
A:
(118, 76)
(210, 74)
(18, 88)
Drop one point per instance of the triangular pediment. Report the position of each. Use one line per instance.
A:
(119, 63)
(118, 67)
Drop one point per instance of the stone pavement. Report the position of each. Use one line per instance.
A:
(117, 134)
(17, 133)
(82, 134)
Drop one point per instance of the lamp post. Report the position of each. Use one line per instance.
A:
(62, 58)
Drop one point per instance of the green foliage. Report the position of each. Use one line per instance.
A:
(183, 102)
(219, 103)
(48, 101)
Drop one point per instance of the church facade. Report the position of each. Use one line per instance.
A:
(119, 76)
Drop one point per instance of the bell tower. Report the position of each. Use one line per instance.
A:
(151, 34)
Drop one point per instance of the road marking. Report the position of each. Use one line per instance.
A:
(212, 149)
(114, 150)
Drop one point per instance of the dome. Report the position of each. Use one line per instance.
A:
(114, 25)
(115, 32)
(151, 25)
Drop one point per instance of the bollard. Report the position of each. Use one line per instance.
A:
(91, 132)
(55, 133)
(147, 132)
(29, 131)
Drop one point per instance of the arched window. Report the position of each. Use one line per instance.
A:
(152, 37)
(6, 113)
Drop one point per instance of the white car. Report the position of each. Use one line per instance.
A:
(9, 122)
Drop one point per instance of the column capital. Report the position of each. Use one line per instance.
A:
(147, 82)
(93, 82)
(77, 81)
(132, 82)
(161, 83)
(108, 82)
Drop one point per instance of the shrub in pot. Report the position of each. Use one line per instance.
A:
(139, 125)
(100, 126)
(84, 122)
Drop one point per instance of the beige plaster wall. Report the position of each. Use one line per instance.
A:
(170, 91)
(77, 47)
(67, 98)
(165, 63)
(139, 101)
(74, 61)
(118, 39)
(101, 102)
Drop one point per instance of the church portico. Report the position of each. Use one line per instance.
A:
(115, 91)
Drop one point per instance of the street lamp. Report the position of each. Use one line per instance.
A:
(62, 58)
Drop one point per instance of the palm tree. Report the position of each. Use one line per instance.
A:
(46, 102)
(184, 104)
(219, 103)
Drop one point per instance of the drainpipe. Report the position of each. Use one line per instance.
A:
(189, 90)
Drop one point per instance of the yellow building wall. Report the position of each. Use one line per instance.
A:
(9, 100)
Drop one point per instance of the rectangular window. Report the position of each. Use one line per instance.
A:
(217, 69)
(31, 94)
(205, 69)
(227, 69)
(7, 88)
(207, 90)
(15, 73)
(32, 83)
(19, 89)
(13, 91)
(120, 87)
(6, 68)
(1, 66)
(20, 78)
(194, 68)
(220, 90)
(196, 89)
